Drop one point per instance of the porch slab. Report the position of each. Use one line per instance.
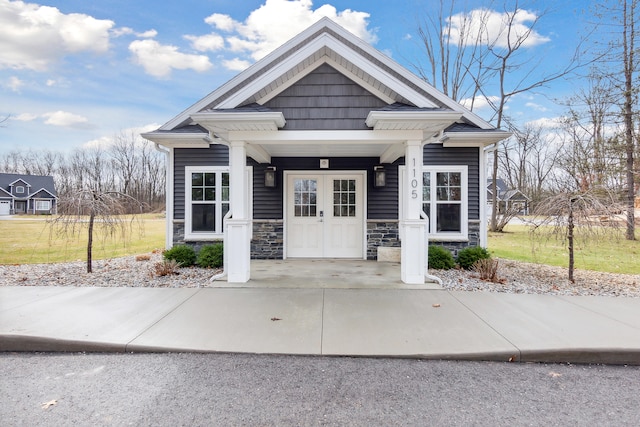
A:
(325, 274)
(241, 320)
(408, 323)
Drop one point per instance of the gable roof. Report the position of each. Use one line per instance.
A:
(325, 42)
(34, 181)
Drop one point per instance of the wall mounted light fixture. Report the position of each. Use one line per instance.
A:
(270, 177)
(379, 177)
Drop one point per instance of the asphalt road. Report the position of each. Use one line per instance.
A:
(229, 389)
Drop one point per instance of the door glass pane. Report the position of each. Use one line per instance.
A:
(344, 197)
(304, 197)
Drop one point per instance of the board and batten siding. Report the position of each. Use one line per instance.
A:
(437, 155)
(325, 100)
(215, 155)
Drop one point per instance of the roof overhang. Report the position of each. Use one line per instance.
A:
(179, 139)
(427, 121)
(228, 121)
(469, 138)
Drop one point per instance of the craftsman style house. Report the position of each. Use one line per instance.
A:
(326, 148)
(27, 194)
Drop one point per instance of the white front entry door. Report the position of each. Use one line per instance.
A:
(325, 215)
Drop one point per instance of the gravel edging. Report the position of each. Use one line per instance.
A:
(518, 277)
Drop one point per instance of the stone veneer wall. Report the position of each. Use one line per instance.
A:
(268, 239)
(474, 239)
(381, 233)
(178, 237)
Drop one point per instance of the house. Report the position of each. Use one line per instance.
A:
(326, 148)
(509, 200)
(27, 194)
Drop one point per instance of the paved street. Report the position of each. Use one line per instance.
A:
(241, 389)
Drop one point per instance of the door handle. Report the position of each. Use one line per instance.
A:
(321, 216)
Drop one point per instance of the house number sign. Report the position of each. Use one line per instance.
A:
(414, 178)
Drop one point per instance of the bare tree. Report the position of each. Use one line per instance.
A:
(630, 69)
(484, 60)
(90, 210)
(568, 216)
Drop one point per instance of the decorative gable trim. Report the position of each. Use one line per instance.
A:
(20, 180)
(42, 189)
(325, 42)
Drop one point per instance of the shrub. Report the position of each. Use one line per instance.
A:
(440, 258)
(487, 268)
(182, 254)
(166, 267)
(211, 256)
(469, 256)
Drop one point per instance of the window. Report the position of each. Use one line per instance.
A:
(444, 200)
(19, 189)
(206, 201)
(43, 205)
(344, 197)
(305, 197)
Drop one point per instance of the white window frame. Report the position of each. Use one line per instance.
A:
(20, 189)
(40, 203)
(463, 235)
(201, 235)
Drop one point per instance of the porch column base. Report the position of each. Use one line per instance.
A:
(237, 250)
(413, 251)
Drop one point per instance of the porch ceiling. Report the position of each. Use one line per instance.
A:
(321, 149)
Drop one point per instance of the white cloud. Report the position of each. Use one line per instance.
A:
(15, 84)
(277, 21)
(221, 22)
(546, 122)
(490, 27)
(24, 117)
(34, 36)
(479, 102)
(147, 34)
(537, 107)
(66, 119)
(159, 60)
(209, 42)
(125, 31)
(236, 64)
(132, 132)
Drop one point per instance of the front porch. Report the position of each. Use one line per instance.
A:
(324, 274)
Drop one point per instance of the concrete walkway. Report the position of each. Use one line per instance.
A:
(323, 317)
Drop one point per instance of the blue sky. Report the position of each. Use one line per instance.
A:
(74, 73)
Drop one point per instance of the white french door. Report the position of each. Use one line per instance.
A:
(325, 215)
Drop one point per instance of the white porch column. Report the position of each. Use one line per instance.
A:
(414, 241)
(237, 242)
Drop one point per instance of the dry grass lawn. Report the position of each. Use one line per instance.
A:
(31, 240)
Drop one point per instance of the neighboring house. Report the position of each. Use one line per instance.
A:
(509, 200)
(27, 194)
(326, 148)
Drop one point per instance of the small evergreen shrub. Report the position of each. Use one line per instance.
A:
(440, 258)
(470, 255)
(211, 256)
(182, 254)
